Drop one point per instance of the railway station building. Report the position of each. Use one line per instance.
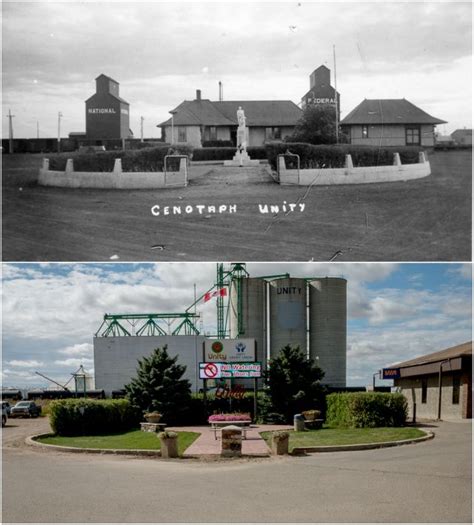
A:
(390, 122)
(200, 120)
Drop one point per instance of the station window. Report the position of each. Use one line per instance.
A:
(181, 134)
(424, 390)
(456, 389)
(413, 136)
(365, 132)
(272, 133)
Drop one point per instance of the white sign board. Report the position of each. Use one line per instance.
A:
(229, 350)
(229, 370)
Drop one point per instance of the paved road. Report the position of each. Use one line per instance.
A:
(426, 482)
(422, 220)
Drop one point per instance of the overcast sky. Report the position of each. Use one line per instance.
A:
(395, 311)
(161, 52)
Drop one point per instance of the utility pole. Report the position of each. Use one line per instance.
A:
(10, 131)
(141, 128)
(37, 129)
(59, 131)
(335, 96)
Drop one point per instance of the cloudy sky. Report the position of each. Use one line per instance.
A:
(161, 52)
(51, 311)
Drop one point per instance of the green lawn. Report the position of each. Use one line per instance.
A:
(135, 439)
(348, 436)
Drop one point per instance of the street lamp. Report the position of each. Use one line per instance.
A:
(59, 131)
(172, 113)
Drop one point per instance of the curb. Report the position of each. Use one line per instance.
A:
(31, 441)
(364, 446)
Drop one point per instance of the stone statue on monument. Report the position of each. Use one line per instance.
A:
(241, 157)
(241, 117)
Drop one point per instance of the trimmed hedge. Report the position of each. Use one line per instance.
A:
(366, 409)
(217, 144)
(202, 154)
(147, 159)
(98, 417)
(334, 156)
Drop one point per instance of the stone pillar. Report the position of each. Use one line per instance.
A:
(69, 166)
(279, 443)
(421, 157)
(118, 166)
(169, 444)
(396, 159)
(231, 442)
(46, 164)
(348, 163)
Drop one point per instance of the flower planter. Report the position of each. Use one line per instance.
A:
(153, 418)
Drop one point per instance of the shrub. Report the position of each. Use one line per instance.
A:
(334, 156)
(147, 159)
(217, 144)
(76, 417)
(234, 416)
(226, 153)
(366, 409)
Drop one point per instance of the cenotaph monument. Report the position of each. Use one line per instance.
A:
(241, 157)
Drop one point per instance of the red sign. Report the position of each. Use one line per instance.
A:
(211, 370)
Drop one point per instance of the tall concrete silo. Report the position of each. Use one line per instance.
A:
(287, 324)
(328, 327)
(247, 317)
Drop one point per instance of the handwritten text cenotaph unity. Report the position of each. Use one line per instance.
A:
(241, 157)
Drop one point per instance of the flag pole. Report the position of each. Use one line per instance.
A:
(335, 95)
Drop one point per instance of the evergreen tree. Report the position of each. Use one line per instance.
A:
(294, 383)
(316, 126)
(159, 386)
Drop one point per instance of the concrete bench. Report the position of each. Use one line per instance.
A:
(216, 426)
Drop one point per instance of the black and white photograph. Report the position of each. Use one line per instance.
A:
(236, 262)
(256, 131)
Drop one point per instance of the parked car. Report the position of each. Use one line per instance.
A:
(25, 409)
(7, 406)
(4, 416)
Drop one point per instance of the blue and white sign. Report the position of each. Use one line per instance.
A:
(229, 350)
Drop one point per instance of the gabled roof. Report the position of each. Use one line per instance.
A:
(111, 95)
(463, 132)
(224, 113)
(464, 349)
(389, 111)
(110, 78)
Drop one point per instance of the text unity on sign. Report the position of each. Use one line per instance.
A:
(220, 209)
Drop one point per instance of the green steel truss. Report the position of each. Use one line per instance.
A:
(117, 325)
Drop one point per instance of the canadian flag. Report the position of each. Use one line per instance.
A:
(221, 292)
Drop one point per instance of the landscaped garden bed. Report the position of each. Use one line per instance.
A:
(131, 440)
(347, 436)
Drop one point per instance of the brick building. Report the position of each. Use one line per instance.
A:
(419, 380)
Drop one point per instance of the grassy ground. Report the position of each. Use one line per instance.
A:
(348, 436)
(422, 220)
(135, 439)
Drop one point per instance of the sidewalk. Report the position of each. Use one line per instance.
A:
(207, 445)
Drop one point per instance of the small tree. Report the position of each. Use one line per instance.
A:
(159, 386)
(316, 126)
(294, 383)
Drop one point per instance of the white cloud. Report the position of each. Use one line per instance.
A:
(82, 349)
(74, 362)
(25, 364)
